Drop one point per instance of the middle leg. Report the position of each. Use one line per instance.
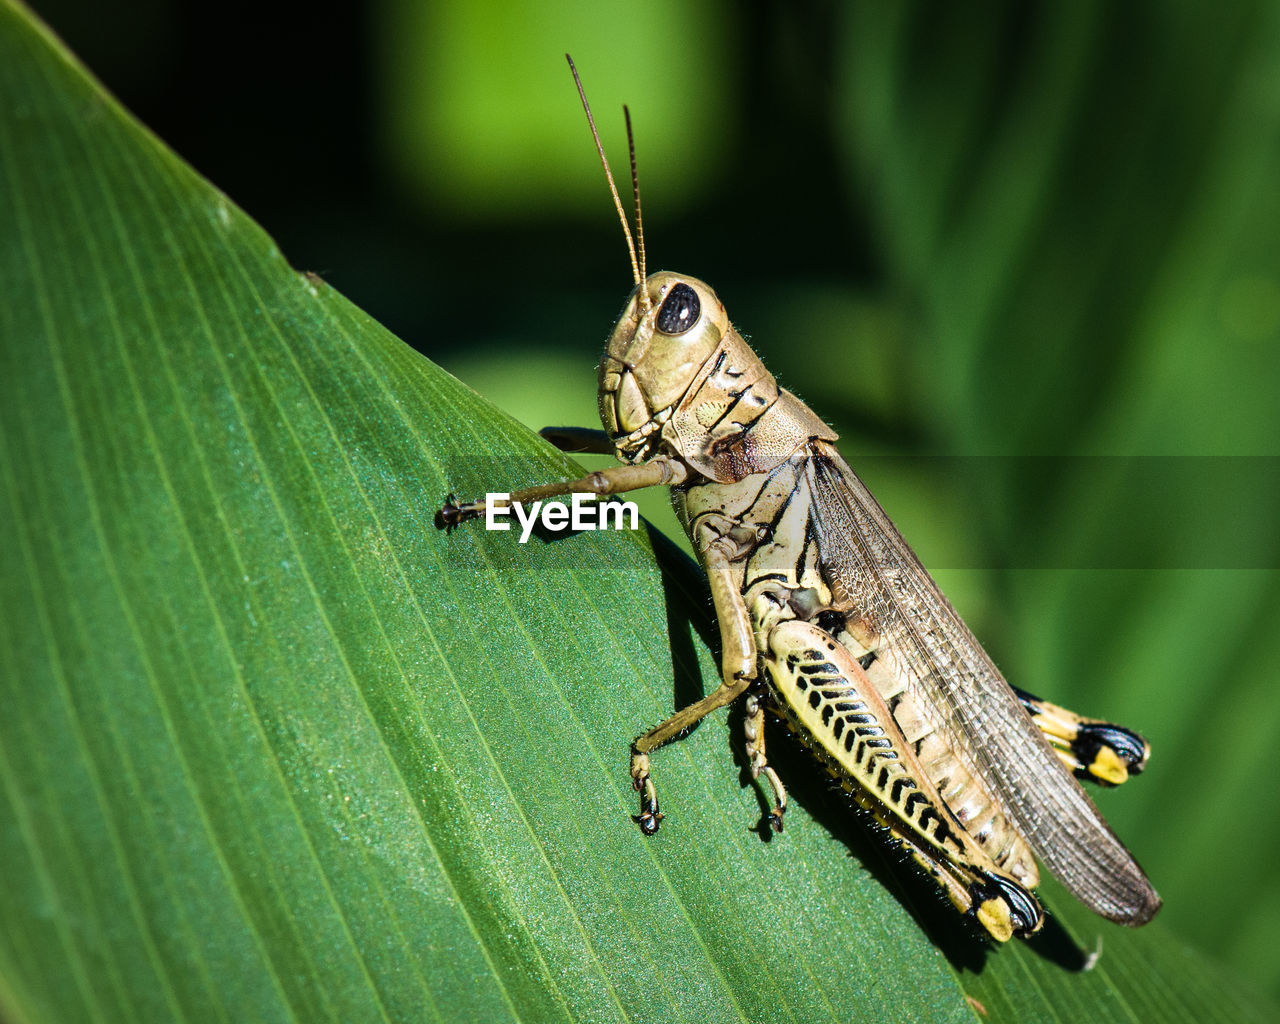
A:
(753, 733)
(738, 671)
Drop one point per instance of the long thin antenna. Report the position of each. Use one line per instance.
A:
(635, 189)
(636, 264)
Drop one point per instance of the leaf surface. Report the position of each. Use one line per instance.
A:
(276, 749)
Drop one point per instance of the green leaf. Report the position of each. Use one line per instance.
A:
(276, 749)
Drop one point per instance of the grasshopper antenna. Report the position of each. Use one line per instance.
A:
(635, 189)
(637, 264)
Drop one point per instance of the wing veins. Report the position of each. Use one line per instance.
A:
(862, 549)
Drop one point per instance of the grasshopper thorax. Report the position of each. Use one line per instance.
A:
(676, 374)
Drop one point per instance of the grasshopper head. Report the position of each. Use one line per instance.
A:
(672, 325)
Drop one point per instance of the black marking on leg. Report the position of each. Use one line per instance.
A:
(902, 783)
(1126, 744)
(867, 660)
(943, 833)
(1025, 912)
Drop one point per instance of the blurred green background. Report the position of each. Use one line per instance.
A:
(1037, 240)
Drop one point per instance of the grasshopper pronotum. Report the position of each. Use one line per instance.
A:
(828, 618)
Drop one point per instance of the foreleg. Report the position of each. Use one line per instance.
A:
(659, 472)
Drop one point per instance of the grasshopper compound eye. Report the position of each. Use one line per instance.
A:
(680, 310)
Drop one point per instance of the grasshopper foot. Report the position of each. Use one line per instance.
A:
(779, 808)
(649, 817)
(451, 514)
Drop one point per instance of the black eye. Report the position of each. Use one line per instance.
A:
(679, 310)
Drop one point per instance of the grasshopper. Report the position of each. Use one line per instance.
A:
(828, 619)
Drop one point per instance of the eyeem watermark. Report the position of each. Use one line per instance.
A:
(582, 513)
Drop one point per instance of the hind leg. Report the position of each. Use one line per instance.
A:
(1098, 751)
(833, 706)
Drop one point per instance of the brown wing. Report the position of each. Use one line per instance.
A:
(864, 554)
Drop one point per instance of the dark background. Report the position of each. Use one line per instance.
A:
(1003, 235)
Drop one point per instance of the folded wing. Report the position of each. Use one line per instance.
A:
(867, 559)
